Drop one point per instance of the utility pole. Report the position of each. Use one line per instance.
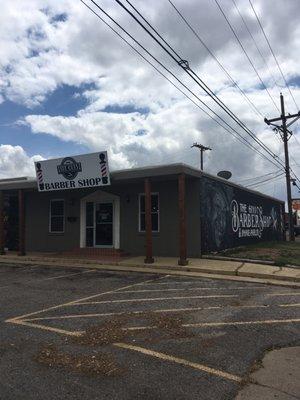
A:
(202, 150)
(285, 136)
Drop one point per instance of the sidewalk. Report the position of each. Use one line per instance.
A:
(200, 267)
(277, 378)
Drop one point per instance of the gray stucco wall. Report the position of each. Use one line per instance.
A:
(165, 243)
(37, 211)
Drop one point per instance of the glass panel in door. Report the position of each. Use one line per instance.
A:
(104, 224)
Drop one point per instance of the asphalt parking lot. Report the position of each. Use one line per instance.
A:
(87, 334)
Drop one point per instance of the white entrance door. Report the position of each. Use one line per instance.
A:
(100, 220)
(103, 227)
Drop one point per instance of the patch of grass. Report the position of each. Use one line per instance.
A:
(280, 261)
(282, 253)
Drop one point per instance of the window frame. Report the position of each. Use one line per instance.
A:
(158, 212)
(63, 216)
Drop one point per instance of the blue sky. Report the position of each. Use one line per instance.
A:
(61, 102)
(68, 85)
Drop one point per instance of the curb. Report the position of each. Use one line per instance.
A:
(247, 260)
(179, 271)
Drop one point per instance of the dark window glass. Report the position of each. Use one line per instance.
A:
(57, 224)
(104, 224)
(154, 203)
(90, 214)
(154, 219)
(57, 207)
(142, 222)
(57, 216)
(104, 234)
(142, 203)
(89, 237)
(154, 213)
(104, 213)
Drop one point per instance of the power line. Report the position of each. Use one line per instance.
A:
(259, 177)
(278, 65)
(215, 58)
(273, 54)
(285, 135)
(265, 181)
(240, 137)
(246, 54)
(255, 43)
(184, 65)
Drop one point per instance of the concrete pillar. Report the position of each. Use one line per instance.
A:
(182, 221)
(148, 222)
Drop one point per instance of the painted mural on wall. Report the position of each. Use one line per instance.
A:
(233, 217)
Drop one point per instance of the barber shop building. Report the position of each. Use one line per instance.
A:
(75, 205)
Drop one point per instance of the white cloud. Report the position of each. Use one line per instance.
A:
(39, 55)
(15, 162)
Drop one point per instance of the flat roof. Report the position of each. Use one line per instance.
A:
(156, 171)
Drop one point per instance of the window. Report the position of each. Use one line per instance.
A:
(57, 216)
(154, 212)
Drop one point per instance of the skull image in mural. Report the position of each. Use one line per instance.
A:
(231, 216)
(216, 202)
(219, 220)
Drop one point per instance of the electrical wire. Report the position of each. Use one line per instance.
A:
(216, 59)
(273, 54)
(280, 70)
(162, 66)
(260, 176)
(265, 181)
(189, 71)
(184, 65)
(256, 45)
(246, 54)
(240, 137)
(258, 187)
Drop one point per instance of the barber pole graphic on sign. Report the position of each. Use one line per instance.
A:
(76, 172)
(103, 168)
(39, 175)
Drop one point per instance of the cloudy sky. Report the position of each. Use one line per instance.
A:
(69, 85)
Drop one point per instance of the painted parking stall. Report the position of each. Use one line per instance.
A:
(218, 328)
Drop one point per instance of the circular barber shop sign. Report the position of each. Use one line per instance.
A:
(69, 168)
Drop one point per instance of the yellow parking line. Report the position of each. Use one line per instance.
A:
(156, 299)
(181, 361)
(290, 305)
(67, 275)
(170, 310)
(173, 283)
(263, 322)
(12, 320)
(283, 294)
(48, 328)
(233, 323)
(185, 289)
(51, 278)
